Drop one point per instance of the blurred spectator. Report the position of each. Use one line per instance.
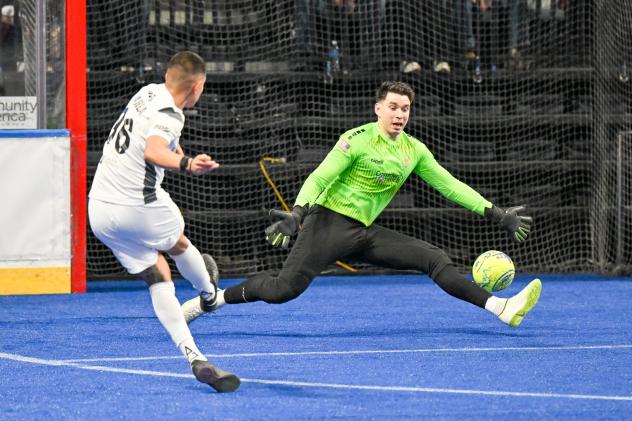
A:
(451, 31)
(318, 23)
(519, 30)
(306, 11)
(304, 29)
(308, 14)
(495, 12)
(349, 5)
(9, 38)
(464, 18)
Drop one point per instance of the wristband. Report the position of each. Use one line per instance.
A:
(184, 163)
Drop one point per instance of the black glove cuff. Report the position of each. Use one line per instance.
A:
(494, 214)
(299, 212)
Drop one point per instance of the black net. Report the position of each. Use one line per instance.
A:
(19, 66)
(524, 102)
(611, 206)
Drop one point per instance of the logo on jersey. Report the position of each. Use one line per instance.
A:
(344, 146)
(139, 105)
(357, 132)
(164, 129)
(377, 161)
(387, 178)
(406, 162)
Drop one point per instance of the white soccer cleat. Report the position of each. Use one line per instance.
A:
(192, 309)
(520, 304)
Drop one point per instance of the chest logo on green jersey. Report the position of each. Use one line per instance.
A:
(387, 178)
(406, 162)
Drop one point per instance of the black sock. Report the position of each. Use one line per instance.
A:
(457, 285)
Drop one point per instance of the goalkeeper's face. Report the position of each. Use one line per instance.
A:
(392, 114)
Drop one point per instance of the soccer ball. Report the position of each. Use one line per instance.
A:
(493, 271)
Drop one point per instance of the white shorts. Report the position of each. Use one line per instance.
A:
(135, 234)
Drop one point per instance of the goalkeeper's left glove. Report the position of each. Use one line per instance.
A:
(286, 225)
(518, 226)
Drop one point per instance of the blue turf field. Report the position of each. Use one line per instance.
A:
(390, 347)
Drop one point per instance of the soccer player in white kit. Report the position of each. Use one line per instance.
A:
(135, 217)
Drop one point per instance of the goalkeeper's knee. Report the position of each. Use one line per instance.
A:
(281, 293)
(437, 263)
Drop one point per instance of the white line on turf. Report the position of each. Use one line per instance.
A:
(368, 351)
(39, 361)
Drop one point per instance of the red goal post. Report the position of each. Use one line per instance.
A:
(76, 121)
(43, 250)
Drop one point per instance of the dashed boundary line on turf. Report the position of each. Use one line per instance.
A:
(409, 389)
(361, 352)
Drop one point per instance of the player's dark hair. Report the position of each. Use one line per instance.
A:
(189, 62)
(400, 88)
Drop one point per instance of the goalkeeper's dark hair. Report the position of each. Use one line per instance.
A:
(400, 88)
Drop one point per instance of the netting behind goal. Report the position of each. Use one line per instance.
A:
(526, 108)
(612, 137)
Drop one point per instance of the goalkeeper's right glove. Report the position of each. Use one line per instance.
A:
(286, 225)
(518, 226)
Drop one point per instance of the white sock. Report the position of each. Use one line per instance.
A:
(191, 351)
(495, 305)
(220, 298)
(168, 311)
(191, 266)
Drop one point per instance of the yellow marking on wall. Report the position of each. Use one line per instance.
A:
(15, 281)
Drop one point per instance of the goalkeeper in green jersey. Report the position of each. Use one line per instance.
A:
(338, 203)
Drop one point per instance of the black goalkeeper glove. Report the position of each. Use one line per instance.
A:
(518, 226)
(286, 225)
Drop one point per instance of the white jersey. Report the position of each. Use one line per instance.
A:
(123, 176)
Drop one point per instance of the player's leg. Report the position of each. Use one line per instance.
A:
(127, 230)
(198, 269)
(197, 306)
(398, 251)
(187, 257)
(324, 238)
(167, 309)
(395, 250)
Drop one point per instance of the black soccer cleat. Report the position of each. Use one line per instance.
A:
(218, 379)
(197, 306)
(211, 267)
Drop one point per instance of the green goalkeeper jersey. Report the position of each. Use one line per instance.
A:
(365, 169)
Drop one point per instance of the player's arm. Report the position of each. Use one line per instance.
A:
(334, 164)
(288, 223)
(449, 186)
(518, 226)
(157, 152)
